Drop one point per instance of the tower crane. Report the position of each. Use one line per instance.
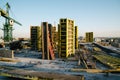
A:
(8, 26)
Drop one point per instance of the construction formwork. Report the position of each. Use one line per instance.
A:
(89, 37)
(36, 40)
(76, 37)
(54, 37)
(66, 41)
(59, 41)
(47, 46)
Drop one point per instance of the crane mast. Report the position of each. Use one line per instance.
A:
(8, 26)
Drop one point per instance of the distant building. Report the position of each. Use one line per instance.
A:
(66, 42)
(36, 43)
(76, 37)
(89, 37)
(115, 42)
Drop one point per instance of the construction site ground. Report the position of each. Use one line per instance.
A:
(26, 60)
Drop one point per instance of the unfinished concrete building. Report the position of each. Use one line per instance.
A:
(76, 37)
(89, 37)
(66, 32)
(47, 46)
(36, 43)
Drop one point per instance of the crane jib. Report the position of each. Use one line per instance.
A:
(4, 14)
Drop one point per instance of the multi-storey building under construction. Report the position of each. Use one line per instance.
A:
(76, 37)
(47, 45)
(66, 42)
(35, 32)
(89, 37)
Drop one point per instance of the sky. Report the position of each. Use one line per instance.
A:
(99, 16)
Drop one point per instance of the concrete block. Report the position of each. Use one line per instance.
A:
(7, 53)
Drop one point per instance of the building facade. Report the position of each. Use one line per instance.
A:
(76, 37)
(36, 42)
(66, 42)
(89, 37)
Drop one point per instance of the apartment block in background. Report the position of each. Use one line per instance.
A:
(89, 37)
(35, 32)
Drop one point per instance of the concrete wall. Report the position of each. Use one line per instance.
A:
(7, 53)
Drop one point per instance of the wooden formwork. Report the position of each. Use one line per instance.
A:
(47, 46)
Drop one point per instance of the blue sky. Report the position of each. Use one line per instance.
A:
(99, 16)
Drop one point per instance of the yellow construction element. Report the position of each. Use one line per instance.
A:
(96, 49)
(89, 37)
(36, 39)
(110, 61)
(66, 32)
(76, 37)
(9, 60)
(87, 70)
